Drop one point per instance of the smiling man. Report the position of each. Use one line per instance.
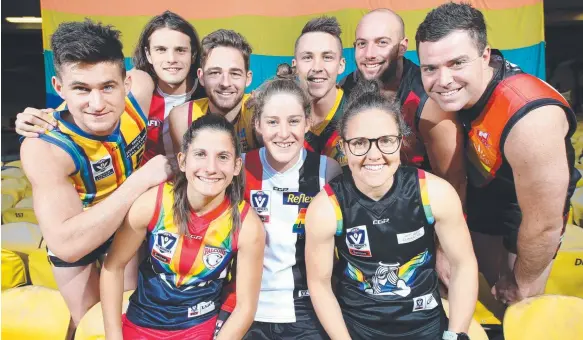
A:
(225, 74)
(318, 61)
(520, 159)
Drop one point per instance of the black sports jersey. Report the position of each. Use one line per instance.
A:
(387, 283)
(412, 97)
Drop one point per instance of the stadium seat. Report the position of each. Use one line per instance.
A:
(476, 332)
(13, 270)
(14, 187)
(21, 237)
(91, 326)
(547, 317)
(7, 202)
(15, 164)
(39, 269)
(577, 204)
(566, 276)
(33, 312)
(15, 215)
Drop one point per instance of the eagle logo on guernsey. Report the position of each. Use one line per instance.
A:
(102, 168)
(213, 256)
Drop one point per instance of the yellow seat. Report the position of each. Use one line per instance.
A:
(91, 326)
(24, 203)
(566, 276)
(21, 237)
(14, 173)
(476, 332)
(577, 204)
(547, 317)
(16, 164)
(39, 269)
(33, 312)
(7, 202)
(15, 215)
(14, 187)
(13, 270)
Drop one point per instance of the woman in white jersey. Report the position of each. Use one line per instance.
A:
(281, 180)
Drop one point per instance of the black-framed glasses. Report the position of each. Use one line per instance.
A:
(360, 146)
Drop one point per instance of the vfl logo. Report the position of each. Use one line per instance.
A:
(424, 302)
(483, 136)
(213, 257)
(260, 201)
(357, 241)
(102, 168)
(166, 242)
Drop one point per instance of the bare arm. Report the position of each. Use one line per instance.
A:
(178, 124)
(71, 232)
(320, 230)
(442, 135)
(142, 88)
(125, 244)
(248, 283)
(454, 237)
(333, 169)
(535, 149)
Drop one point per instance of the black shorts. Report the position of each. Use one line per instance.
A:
(432, 330)
(308, 328)
(90, 258)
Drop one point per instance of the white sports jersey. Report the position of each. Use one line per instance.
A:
(281, 199)
(159, 140)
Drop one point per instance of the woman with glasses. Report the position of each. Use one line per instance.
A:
(380, 220)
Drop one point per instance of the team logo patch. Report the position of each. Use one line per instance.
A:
(201, 309)
(260, 201)
(357, 241)
(424, 302)
(297, 198)
(165, 244)
(213, 257)
(102, 168)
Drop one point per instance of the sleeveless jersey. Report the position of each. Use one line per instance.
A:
(159, 141)
(281, 200)
(243, 123)
(180, 283)
(386, 257)
(510, 95)
(412, 97)
(102, 163)
(324, 138)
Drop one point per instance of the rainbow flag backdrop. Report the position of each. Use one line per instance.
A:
(271, 26)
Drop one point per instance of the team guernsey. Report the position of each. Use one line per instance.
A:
(159, 141)
(102, 164)
(387, 283)
(180, 282)
(511, 94)
(243, 123)
(412, 97)
(281, 200)
(324, 138)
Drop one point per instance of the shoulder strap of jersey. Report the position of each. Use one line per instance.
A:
(309, 178)
(425, 196)
(337, 210)
(66, 143)
(159, 201)
(253, 173)
(196, 109)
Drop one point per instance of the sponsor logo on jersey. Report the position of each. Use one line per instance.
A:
(260, 201)
(201, 309)
(411, 236)
(213, 257)
(165, 244)
(303, 293)
(357, 241)
(102, 168)
(297, 198)
(280, 189)
(382, 221)
(154, 122)
(424, 302)
(137, 144)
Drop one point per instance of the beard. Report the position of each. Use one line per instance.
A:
(224, 105)
(390, 72)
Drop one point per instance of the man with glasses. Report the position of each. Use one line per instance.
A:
(520, 159)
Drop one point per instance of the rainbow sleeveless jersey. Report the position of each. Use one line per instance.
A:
(180, 283)
(102, 163)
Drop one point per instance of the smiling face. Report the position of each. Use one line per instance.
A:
(282, 126)
(170, 54)
(374, 170)
(209, 163)
(379, 45)
(95, 94)
(454, 72)
(318, 60)
(224, 77)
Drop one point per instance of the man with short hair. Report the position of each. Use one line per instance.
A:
(224, 72)
(84, 173)
(436, 139)
(520, 159)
